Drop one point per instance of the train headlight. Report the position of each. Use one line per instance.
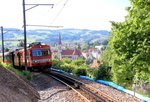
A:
(33, 61)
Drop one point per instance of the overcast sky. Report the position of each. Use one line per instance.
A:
(83, 14)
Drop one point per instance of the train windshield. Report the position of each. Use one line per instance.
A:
(39, 52)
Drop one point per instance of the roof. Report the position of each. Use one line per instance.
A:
(92, 49)
(94, 64)
(71, 52)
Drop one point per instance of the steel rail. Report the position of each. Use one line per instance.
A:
(98, 93)
(78, 93)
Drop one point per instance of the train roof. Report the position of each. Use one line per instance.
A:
(7, 53)
(38, 45)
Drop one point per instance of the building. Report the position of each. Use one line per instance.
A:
(94, 64)
(71, 54)
(59, 47)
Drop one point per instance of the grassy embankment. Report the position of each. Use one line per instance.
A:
(24, 74)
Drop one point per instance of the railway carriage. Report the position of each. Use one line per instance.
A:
(38, 56)
(8, 57)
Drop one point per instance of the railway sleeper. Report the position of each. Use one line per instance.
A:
(93, 94)
(102, 97)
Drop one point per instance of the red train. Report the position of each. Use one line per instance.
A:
(38, 56)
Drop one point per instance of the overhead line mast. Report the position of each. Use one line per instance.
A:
(24, 25)
(2, 32)
(2, 43)
(25, 40)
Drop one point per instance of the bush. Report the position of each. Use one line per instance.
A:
(92, 73)
(57, 63)
(79, 71)
(66, 68)
(77, 67)
(104, 72)
(66, 60)
(79, 62)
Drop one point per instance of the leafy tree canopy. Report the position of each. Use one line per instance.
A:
(128, 50)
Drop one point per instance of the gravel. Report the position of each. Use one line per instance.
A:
(115, 94)
(51, 90)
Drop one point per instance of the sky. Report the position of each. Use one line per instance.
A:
(82, 14)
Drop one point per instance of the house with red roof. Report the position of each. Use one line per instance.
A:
(72, 54)
(94, 64)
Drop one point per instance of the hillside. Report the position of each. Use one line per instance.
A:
(51, 36)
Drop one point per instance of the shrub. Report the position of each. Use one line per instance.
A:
(104, 72)
(92, 73)
(66, 60)
(56, 63)
(78, 62)
(71, 67)
(79, 71)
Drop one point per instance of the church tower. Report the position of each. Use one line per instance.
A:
(59, 47)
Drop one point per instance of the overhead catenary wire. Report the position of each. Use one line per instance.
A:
(48, 26)
(59, 11)
(35, 5)
(58, 3)
(7, 31)
(14, 39)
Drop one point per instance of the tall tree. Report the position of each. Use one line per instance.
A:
(129, 46)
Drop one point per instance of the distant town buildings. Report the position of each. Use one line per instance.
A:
(92, 55)
(61, 52)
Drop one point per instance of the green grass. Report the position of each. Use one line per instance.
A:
(25, 74)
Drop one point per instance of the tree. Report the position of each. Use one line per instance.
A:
(79, 62)
(129, 46)
(66, 60)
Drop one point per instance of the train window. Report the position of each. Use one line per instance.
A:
(36, 53)
(8, 57)
(45, 52)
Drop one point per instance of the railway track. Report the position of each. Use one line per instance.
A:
(92, 94)
(83, 98)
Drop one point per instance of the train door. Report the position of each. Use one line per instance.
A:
(12, 56)
(19, 59)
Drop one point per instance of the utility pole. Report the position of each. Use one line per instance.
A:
(2, 43)
(24, 25)
(2, 32)
(25, 40)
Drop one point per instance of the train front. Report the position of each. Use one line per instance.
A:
(40, 56)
